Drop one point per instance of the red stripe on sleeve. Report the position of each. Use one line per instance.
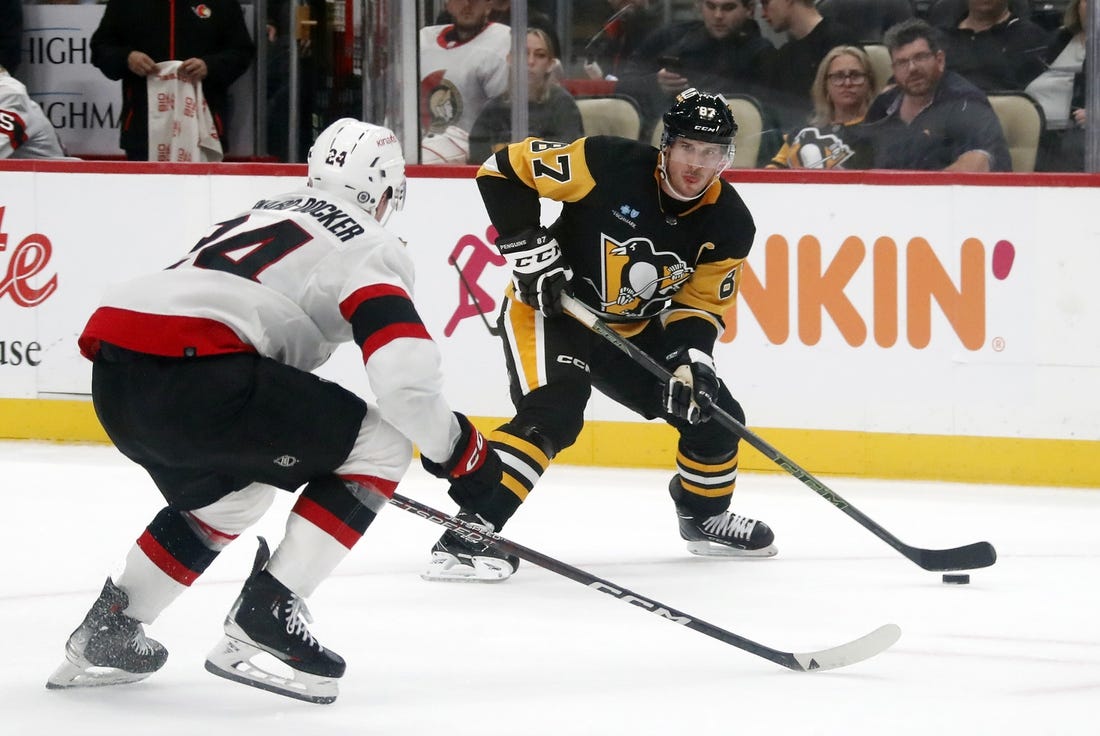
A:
(385, 336)
(324, 520)
(164, 560)
(357, 297)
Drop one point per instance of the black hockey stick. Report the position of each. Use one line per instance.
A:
(968, 557)
(854, 651)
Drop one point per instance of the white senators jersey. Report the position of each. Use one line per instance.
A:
(457, 77)
(291, 279)
(25, 131)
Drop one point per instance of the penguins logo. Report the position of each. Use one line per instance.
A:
(638, 279)
(815, 150)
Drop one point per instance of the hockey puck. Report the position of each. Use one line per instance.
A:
(956, 579)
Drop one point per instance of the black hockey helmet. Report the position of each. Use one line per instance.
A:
(700, 117)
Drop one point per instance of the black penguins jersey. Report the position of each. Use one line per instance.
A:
(636, 253)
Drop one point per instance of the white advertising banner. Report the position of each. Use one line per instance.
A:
(951, 310)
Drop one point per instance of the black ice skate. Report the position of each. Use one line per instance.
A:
(455, 559)
(109, 647)
(723, 535)
(268, 618)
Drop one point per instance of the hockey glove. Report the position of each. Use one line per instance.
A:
(472, 455)
(693, 386)
(539, 271)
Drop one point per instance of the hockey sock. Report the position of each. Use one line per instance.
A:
(523, 461)
(706, 484)
(331, 515)
(168, 556)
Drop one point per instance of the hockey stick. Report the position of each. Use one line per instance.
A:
(968, 557)
(854, 651)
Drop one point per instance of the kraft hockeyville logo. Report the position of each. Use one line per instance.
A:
(25, 280)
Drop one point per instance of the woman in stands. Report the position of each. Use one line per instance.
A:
(842, 93)
(552, 113)
(1061, 92)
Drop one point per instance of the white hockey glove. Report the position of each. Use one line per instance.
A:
(539, 271)
(693, 386)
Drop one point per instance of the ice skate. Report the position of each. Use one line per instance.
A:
(109, 647)
(268, 620)
(455, 559)
(722, 535)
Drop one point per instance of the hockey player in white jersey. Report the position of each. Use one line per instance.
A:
(25, 131)
(201, 375)
(462, 66)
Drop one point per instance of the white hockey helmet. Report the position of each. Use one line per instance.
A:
(359, 161)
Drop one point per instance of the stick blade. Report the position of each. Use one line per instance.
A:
(858, 650)
(970, 557)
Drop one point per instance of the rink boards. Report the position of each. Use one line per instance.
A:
(889, 325)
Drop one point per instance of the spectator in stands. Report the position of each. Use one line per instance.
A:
(25, 131)
(809, 38)
(722, 51)
(463, 65)
(843, 90)
(868, 19)
(932, 118)
(134, 35)
(1061, 92)
(994, 48)
(630, 23)
(500, 11)
(11, 34)
(944, 13)
(552, 113)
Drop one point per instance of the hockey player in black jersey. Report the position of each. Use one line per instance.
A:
(653, 241)
(201, 374)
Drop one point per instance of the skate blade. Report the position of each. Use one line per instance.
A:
(446, 568)
(84, 674)
(708, 549)
(232, 659)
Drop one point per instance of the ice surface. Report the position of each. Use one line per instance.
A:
(1017, 651)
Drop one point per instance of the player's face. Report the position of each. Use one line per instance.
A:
(469, 15)
(917, 68)
(692, 165)
(723, 17)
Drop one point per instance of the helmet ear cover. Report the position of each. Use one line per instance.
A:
(359, 161)
(700, 117)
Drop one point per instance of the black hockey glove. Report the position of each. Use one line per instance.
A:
(693, 386)
(539, 271)
(472, 456)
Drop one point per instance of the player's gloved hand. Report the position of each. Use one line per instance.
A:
(472, 455)
(473, 468)
(539, 271)
(693, 386)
